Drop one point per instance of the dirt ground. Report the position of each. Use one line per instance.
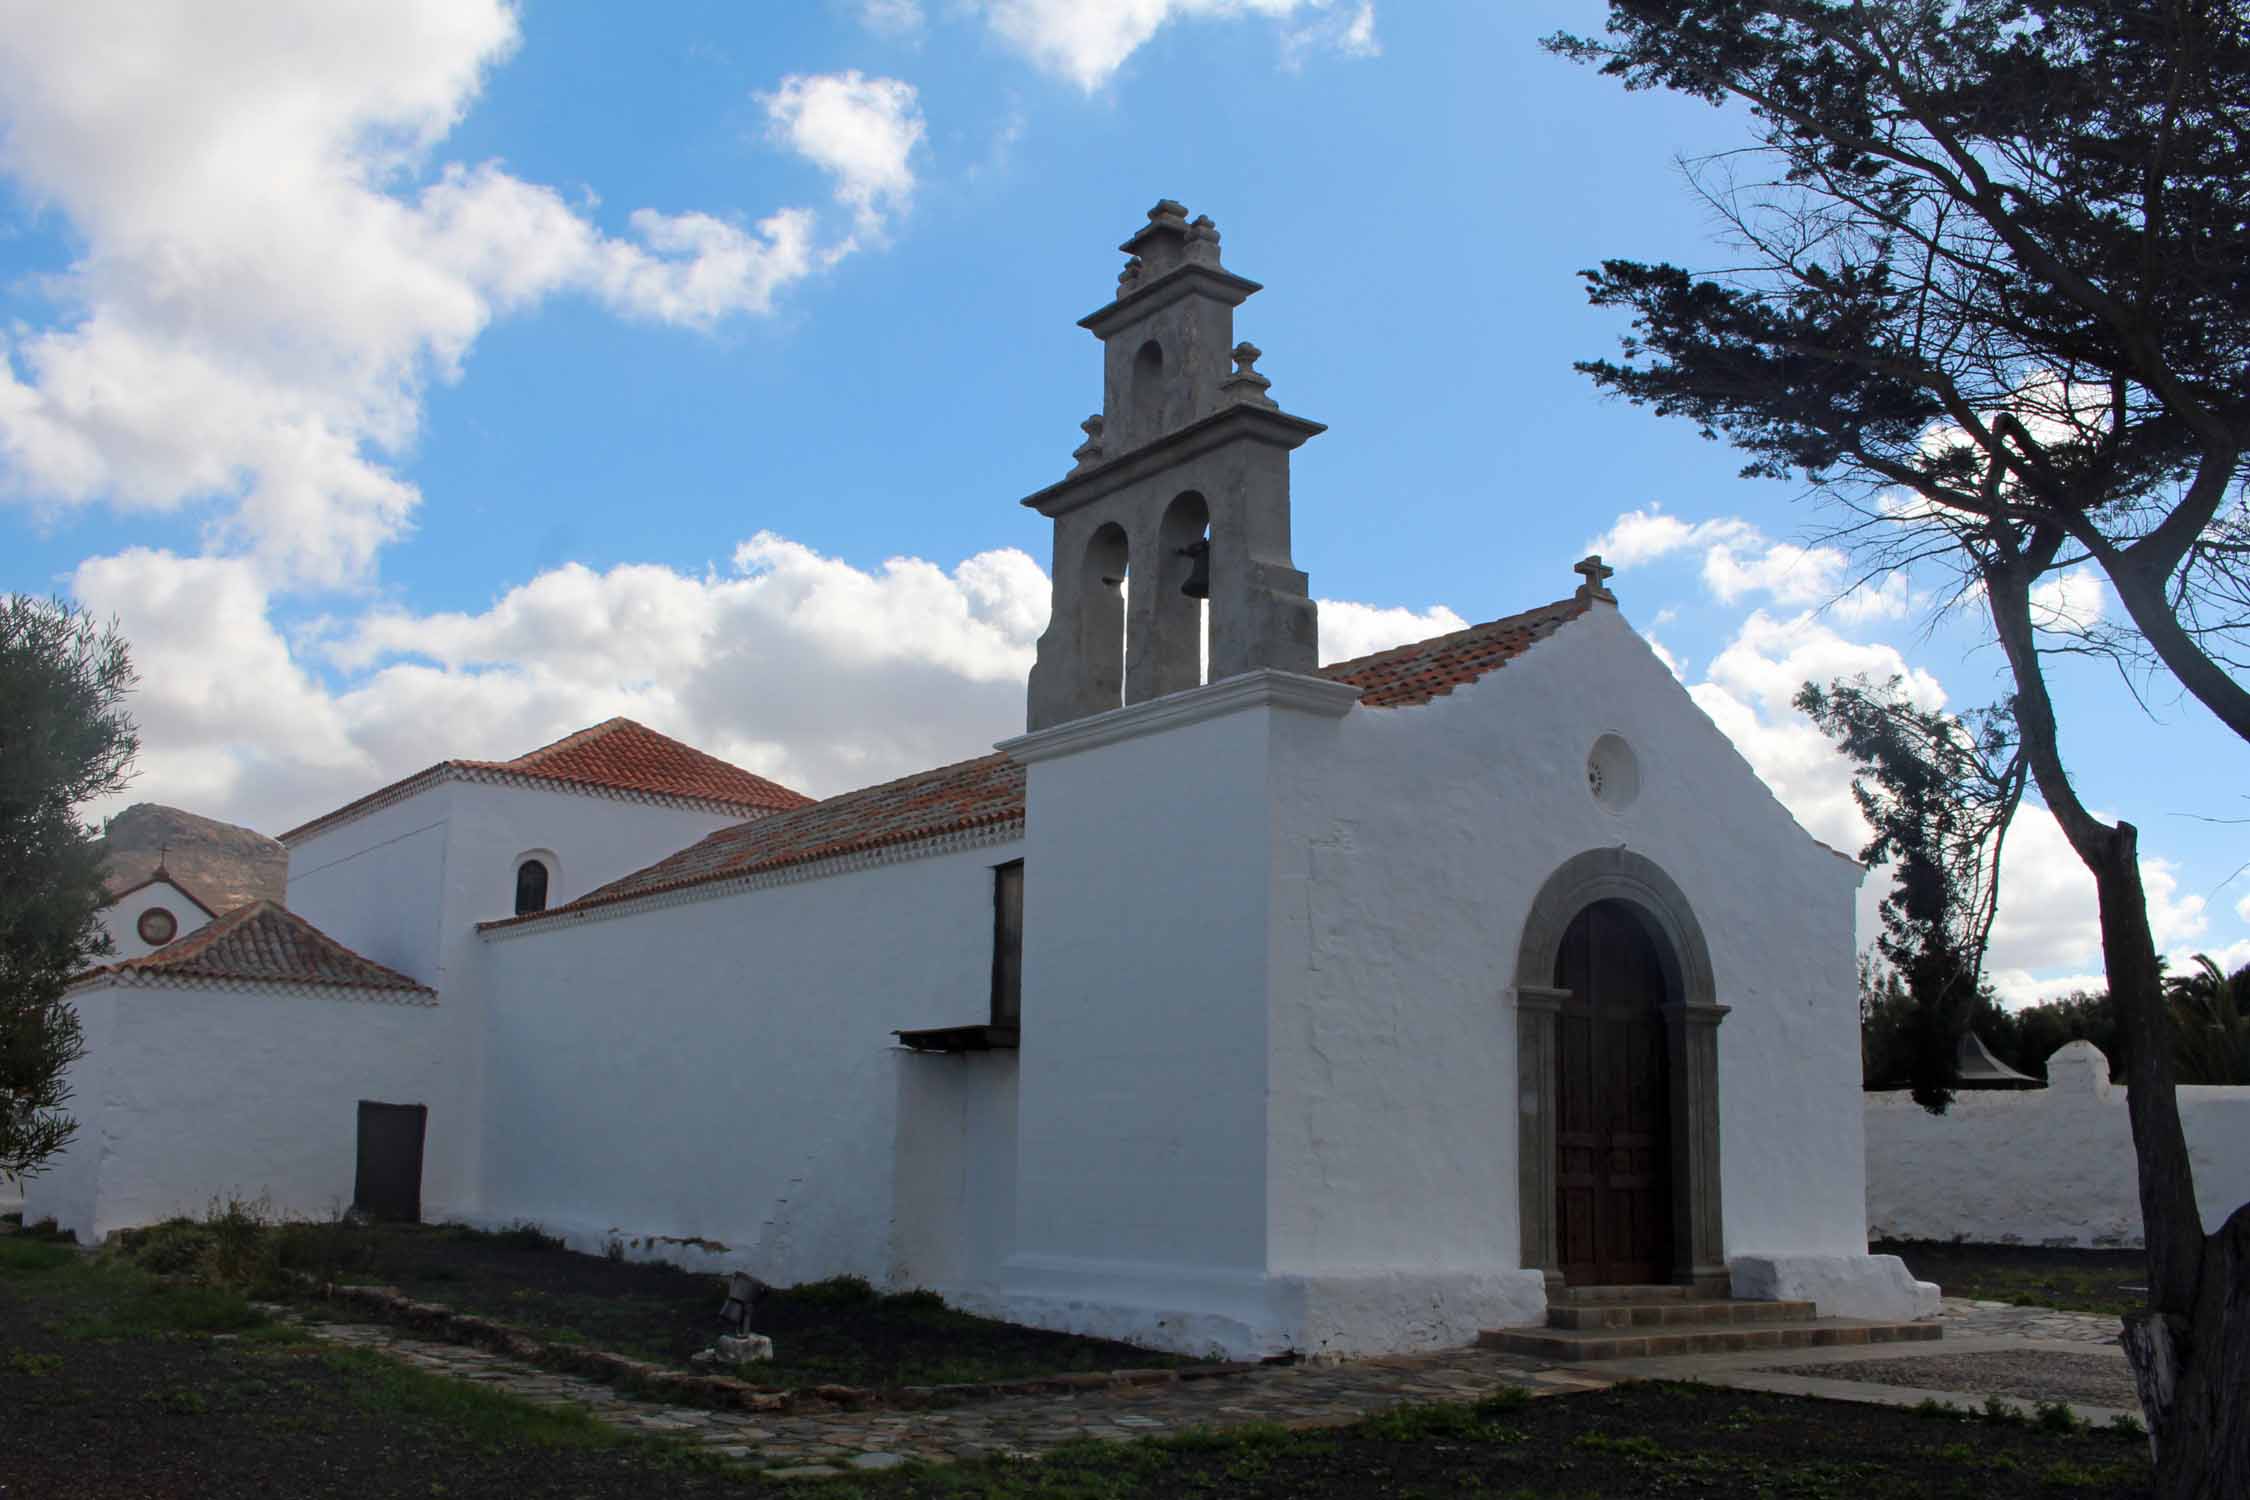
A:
(838, 1332)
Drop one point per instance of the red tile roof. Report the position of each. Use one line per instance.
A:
(975, 794)
(1414, 674)
(988, 791)
(266, 943)
(615, 755)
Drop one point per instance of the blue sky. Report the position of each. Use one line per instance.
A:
(446, 376)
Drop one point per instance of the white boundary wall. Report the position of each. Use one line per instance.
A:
(713, 1080)
(2051, 1166)
(193, 1092)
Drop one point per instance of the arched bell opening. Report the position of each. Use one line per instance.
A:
(1147, 396)
(1101, 619)
(1183, 584)
(1618, 1110)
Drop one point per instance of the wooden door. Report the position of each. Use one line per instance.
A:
(1613, 1196)
(389, 1181)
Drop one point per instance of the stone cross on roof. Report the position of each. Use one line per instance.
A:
(1597, 578)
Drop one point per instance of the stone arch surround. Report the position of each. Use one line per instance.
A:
(1691, 1025)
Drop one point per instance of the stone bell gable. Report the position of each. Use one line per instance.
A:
(1180, 495)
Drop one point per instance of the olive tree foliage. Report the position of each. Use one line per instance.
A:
(64, 738)
(1988, 297)
(1938, 790)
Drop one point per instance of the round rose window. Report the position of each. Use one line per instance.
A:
(158, 926)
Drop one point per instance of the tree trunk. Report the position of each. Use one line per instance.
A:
(2195, 1371)
(2190, 1348)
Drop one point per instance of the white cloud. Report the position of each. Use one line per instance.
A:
(1086, 41)
(2071, 600)
(270, 270)
(1739, 560)
(1640, 536)
(1747, 691)
(861, 131)
(802, 667)
(1349, 630)
(892, 18)
(1350, 32)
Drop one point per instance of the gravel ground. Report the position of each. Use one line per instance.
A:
(2090, 1379)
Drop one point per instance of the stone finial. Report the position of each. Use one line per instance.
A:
(1597, 578)
(1203, 241)
(1246, 387)
(1167, 208)
(1090, 451)
(1130, 277)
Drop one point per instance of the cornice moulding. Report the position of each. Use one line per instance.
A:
(1264, 688)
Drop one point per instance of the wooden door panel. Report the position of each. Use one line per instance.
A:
(1612, 1185)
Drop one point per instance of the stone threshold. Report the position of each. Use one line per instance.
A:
(721, 1392)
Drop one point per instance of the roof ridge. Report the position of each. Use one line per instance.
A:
(189, 957)
(573, 740)
(170, 879)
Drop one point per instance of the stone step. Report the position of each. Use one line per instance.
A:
(1658, 1292)
(1579, 1346)
(1718, 1312)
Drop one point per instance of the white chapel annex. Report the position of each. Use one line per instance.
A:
(1240, 1003)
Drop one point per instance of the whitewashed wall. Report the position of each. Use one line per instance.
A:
(407, 884)
(1412, 842)
(193, 1093)
(723, 1070)
(1147, 982)
(121, 918)
(2051, 1166)
(954, 1219)
(66, 1187)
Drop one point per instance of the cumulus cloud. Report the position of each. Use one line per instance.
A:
(270, 269)
(2068, 601)
(861, 131)
(1739, 561)
(1087, 41)
(800, 666)
(2048, 919)
(1640, 536)
(1349, 630)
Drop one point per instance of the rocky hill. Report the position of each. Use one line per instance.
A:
(221, 864)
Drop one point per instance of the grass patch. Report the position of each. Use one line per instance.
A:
(2086, 1281)
(22, 1257)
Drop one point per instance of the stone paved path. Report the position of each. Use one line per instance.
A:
(807, 1445)
(1980, 1319)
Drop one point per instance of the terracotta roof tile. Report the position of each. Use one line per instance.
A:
(973, 794)
(263, 942)
(615, 755)
(1413, 674)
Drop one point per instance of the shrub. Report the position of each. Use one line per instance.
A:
(176, 1247)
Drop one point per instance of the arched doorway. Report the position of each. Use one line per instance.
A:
(1613, 1169)
(1639, 945)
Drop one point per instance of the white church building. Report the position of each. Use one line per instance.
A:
(1239, 1004)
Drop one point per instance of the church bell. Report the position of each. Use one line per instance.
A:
(1198, 585)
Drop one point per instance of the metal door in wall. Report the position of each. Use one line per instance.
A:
(389, 1182)
(1613, 1196)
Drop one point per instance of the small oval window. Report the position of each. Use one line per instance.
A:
(158, 927)
(531, 887)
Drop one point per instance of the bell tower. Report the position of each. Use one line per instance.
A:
(1180, 495)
